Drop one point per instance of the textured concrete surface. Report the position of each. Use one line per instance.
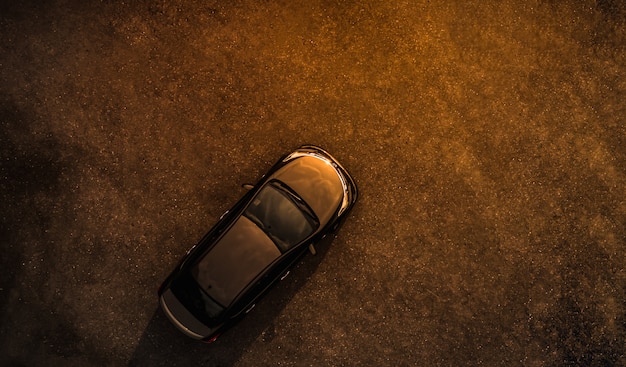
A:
(487, 139)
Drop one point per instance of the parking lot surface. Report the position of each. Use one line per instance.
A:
(487, 140)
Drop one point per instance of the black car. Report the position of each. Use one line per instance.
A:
(303, 198)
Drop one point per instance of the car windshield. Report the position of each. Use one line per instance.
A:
(282, 215)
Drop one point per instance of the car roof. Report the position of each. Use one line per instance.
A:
(316, 181)
(234, 261)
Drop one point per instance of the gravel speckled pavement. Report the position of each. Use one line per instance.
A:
(488, 140)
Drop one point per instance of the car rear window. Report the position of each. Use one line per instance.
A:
(200, 304)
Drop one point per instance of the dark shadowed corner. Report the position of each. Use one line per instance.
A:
(28, 169)
(31, 169)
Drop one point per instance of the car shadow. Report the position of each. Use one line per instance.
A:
(161, 344)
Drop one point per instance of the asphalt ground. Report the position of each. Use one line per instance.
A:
(487, 139)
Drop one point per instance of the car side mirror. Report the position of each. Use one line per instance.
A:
(248, 186)
(312, 250)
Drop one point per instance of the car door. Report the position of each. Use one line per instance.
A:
(279, 269)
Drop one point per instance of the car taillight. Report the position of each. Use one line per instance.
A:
(213, 338)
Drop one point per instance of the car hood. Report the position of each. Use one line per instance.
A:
(316, 181)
